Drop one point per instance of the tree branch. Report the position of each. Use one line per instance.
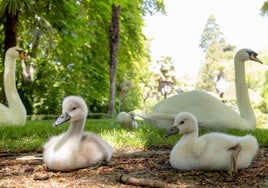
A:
(143, 182)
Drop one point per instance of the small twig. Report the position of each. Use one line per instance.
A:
(41, 177)
(143, 182)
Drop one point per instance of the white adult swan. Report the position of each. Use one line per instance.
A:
(209, 111)
(15, 113)
(212, 151)
(75, 149)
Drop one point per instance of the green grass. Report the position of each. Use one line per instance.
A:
(35, 133)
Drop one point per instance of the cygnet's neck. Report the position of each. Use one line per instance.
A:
(188, 140)
(190, 135)
(74, 133)
(76, 128)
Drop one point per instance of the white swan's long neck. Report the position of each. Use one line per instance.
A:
(242, 96)
(14, 102)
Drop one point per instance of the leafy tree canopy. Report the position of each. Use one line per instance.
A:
(68, 43)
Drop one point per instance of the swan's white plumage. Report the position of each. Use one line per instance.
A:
(127, 120)
(211, 151)
(209, 111)
(75, 148)
(15, 113)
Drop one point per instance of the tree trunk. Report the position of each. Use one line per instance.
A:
(114, 42)
(10, 28)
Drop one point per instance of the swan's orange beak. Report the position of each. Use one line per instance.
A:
(24, 56)
(253, 57)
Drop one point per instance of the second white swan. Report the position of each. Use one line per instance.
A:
(209, 111)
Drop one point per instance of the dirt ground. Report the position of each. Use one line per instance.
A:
(28, 170)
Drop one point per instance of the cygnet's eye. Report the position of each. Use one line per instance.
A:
(182, 122)
(74, 108)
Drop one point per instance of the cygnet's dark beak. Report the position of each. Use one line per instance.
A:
(172, 131)
(62, 119)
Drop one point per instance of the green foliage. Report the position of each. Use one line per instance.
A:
(151, 6)
(11, 6)
(212, 33)
(215, 58)
(264, 8)
(218, 52)
(264, 104)
(68, 41)
(34, 134)
(166, 76)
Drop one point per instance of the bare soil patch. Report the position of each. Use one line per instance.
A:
(28, 170)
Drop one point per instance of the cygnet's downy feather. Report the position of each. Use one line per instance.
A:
(212, 151)
(75, 149)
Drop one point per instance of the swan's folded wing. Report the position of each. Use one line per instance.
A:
(161, 120)
(3, 108)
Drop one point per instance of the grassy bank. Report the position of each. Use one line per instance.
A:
(35, 133)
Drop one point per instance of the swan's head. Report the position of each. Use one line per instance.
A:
(16, 52)
(247, 54)
(132, 115)
(124, 116)
(74, 108)
(184, 123)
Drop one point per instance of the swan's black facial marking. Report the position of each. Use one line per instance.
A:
(252, 55)
(20, 51)
(22, 54)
